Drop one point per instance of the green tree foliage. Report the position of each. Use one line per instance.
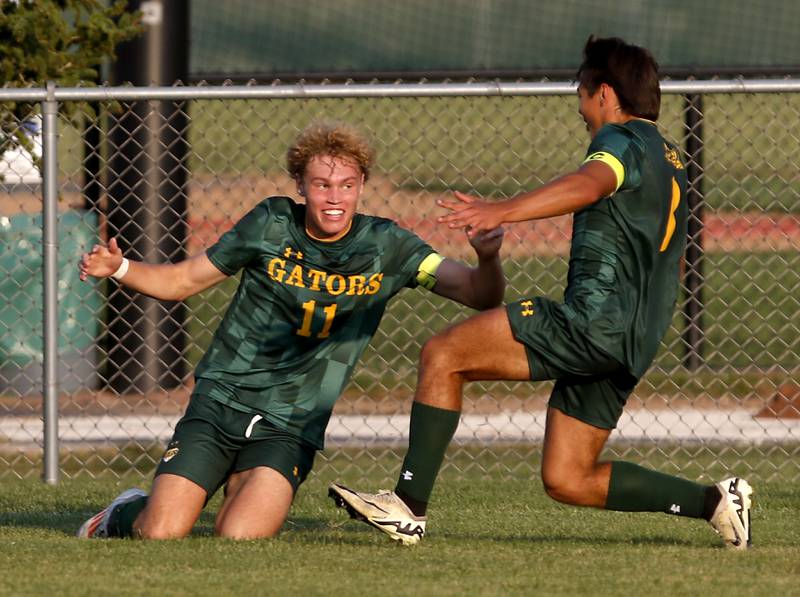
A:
(55, 40)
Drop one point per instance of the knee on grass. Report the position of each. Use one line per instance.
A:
(158, 530)
(566, 488)
(244, 532)
(157, 534)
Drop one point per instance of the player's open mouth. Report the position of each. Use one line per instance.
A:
(333, 213)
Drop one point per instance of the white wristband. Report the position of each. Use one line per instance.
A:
(123, 269)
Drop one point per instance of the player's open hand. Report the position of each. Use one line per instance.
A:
(470, 213)
(101, 261)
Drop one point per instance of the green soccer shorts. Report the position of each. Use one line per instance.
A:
(212, 441)
(590, 385)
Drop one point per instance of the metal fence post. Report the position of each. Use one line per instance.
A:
(693, 334)
(50, 283)
(147, 182)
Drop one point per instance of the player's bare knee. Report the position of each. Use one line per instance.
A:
(244, 532)
(562, 486)
(157, 532)
(436, 356)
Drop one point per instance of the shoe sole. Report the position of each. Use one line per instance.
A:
(742, 492)
(342, 502)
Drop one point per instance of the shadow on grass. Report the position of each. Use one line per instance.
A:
(65, 521)
(321, 531)
(361, 534)
(68, 521)
(594, 540)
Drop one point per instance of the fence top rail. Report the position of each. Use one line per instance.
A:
(323, 90)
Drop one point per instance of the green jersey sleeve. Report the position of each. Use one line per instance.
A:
(245, 241)
(622, 151)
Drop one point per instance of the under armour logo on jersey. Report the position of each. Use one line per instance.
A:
(675, 509)
(172, 451)
(407, 475)
(288, 253)
(527, 308)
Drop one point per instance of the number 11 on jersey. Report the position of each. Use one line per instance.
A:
(308, 317)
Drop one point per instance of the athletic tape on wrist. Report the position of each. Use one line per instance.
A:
(122, 270)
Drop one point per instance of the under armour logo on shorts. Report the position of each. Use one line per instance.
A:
(527, 308)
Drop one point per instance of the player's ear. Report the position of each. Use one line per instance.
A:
(610, 94)
(300, 188)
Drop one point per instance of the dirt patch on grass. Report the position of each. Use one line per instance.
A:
(785, 404)
(216, 202)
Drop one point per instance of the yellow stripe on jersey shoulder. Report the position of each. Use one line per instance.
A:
(426, 274)
(612, 162)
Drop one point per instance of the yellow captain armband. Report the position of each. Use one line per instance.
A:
(426, 274)
(612, 162)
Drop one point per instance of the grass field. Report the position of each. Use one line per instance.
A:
(488, 535)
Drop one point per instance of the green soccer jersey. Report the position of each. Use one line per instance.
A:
(626, 249)
(303, 313)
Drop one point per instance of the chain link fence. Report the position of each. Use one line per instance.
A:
(95, 386)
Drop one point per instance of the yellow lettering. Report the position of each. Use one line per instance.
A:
(317, 277)
(275, 269)
(308, 315)
(330, 312)
(320, 281)
(296, 277)
(356, 285)
(374, 284)
(308, 319)
(335, 284)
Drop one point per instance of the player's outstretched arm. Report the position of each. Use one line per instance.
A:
(566, 194)
(168, 281)
(480, 287)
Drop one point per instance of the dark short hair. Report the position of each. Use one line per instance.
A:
(630, 70)
(329, 138)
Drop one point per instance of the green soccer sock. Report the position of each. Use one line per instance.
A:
(633, 488)
(120, 523)
(431, 430)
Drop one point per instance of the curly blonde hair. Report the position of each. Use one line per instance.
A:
(329, 138)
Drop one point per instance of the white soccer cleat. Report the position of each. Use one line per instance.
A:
(97, 526)
(384, 510)
(731, 518)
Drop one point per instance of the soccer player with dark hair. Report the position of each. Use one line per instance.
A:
(628, 198)
(316, 278)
